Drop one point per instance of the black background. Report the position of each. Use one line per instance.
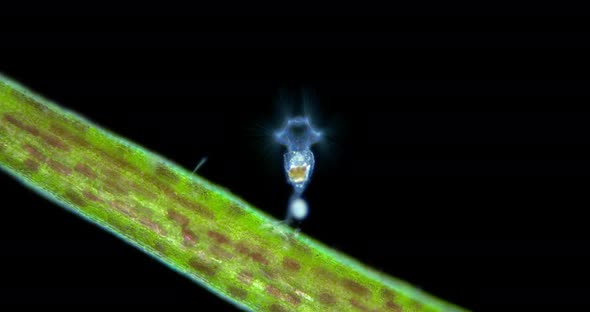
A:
(457, 156)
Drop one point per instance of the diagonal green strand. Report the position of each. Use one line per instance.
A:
(192, 226)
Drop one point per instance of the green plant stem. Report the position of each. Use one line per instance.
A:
(189, 224)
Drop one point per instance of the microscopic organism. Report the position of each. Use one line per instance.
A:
(298, 135)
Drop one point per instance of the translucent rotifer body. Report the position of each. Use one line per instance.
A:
(298, 136)
(298, 166)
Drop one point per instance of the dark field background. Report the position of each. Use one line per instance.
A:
(457, 156)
